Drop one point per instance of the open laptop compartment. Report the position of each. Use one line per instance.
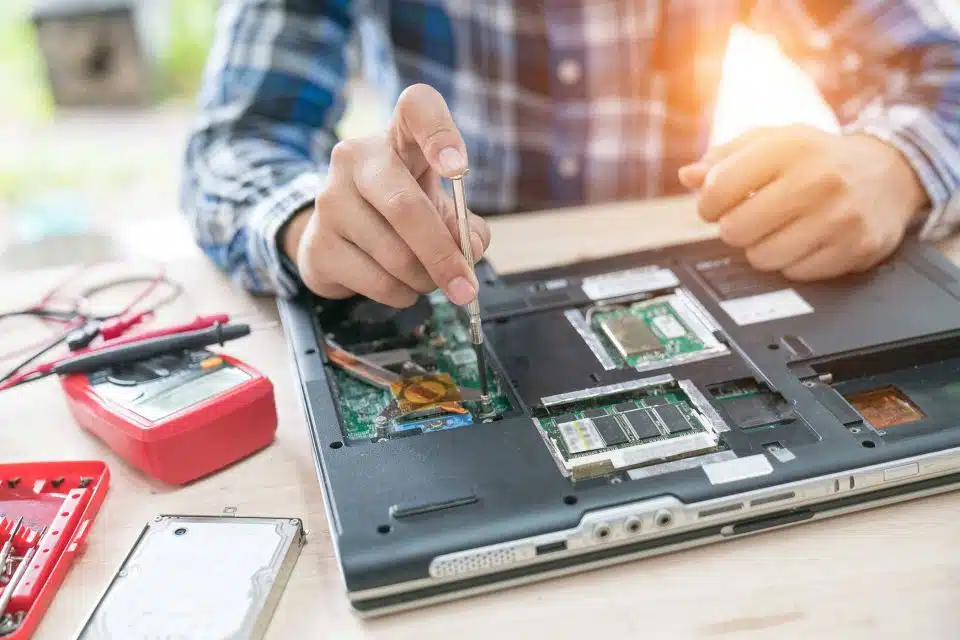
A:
(645, 403)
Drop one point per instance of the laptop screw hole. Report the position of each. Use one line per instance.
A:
(384, 529)
(336, 444)
(633, 525)
(570, 499)
(773, 347)
(869, 444)
(310, 351)
(664, 519)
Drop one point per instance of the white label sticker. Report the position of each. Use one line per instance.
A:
(765, 307)
(739, 469)
(552, 285)
(629, 282)
(680, 465)
(581, 435)
(668, 326)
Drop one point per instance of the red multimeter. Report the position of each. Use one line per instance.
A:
(179, 416)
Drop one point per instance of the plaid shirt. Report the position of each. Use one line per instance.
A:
(560, 102)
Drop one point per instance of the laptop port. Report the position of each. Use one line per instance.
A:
(601, 531)
(663, 519)
(551, 547)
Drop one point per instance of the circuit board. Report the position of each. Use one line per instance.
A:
(648, 333)
(449, 347)
(596, 438)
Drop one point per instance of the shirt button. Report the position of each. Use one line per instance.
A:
(568, 166)
(569, 71)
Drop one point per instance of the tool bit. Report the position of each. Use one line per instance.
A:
(15, 580)
(8, 545)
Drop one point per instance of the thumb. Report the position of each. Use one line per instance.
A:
(423, 133)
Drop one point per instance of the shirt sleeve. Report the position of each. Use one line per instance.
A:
(257, 153)
(891, 69)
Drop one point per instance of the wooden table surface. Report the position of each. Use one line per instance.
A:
(886, 573)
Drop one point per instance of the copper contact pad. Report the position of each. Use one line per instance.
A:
(885, 407)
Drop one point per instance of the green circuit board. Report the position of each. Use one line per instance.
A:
(360, 403)
(631, 437)
(599, 437)
(641, 334)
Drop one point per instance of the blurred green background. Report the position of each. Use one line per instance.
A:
(47, 150)
(21, 66)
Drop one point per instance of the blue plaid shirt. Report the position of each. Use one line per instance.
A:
(561, 102)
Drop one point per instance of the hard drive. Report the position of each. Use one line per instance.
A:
(198, 578)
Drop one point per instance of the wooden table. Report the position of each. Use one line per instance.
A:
(886, 573)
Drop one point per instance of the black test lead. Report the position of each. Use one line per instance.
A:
(473, 307)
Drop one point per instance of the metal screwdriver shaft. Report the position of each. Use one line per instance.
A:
(8, 544)
(15, 579)
(473, 308)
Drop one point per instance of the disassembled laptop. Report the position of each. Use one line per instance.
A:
(635, 405)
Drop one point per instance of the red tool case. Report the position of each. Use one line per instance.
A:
(61, 499)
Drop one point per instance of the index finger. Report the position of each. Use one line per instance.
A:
(424, 135)
(735, 178)
(389, 187)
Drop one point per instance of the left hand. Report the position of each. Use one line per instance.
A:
(809, 204)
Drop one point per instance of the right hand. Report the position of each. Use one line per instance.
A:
(383, 227)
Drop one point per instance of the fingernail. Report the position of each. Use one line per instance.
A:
(709, 178)
(452, 161)
(460, 291)
(477, 246)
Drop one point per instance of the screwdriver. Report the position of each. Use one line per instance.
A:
(473, 307)
(15, 579)
(8, 545)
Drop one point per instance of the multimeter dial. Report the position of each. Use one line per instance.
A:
(166, 384)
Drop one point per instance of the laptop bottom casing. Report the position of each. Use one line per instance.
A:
(842, 400)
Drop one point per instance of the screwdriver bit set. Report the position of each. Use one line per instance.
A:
(46, 510)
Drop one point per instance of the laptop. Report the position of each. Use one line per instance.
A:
(639, 405)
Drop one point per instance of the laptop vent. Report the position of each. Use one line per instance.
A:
(477, 562)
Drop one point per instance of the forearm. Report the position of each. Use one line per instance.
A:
(258, 153)
(238, 193)
(930, 142)
(292, 232)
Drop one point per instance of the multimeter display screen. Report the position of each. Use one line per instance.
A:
(172, 400)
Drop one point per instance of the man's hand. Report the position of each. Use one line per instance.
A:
(383, 227)
(809, 204)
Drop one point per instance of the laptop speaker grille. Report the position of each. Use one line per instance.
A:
(475, 562)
